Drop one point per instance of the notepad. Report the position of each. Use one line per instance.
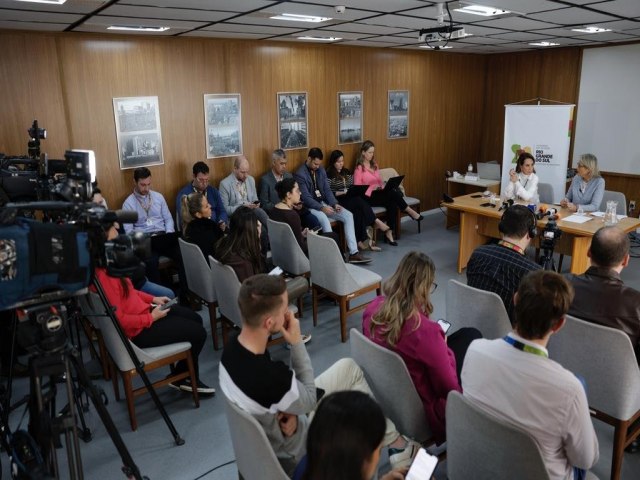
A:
(577, 218)
(601, 214)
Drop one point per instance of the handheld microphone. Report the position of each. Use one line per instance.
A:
(506, 204)
(552, 213)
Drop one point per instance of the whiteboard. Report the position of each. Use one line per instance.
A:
(608, 123)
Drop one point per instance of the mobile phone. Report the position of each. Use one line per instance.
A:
(476, 196)
(422, 466)
(257, 202)
(444, 325)
(169, 304)
(487, 204)
(316, 229)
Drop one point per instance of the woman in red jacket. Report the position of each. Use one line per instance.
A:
(146, 325)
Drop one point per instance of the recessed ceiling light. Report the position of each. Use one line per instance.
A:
(482, 10)
(591, 30)
(544, 44)
(320, 39)
(138, 28)
(292, 17)
(435, 46)
(55, 2)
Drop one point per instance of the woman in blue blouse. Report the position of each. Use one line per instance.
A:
(587, 187)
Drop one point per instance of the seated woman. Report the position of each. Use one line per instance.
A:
(367, 173)
(400, 322)
(587, 187)
(197, 226)
(523, 181)
(340, 179)
(146, 325)
(344, 440)
(283, 211)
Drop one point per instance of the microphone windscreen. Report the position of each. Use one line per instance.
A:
(121, 216)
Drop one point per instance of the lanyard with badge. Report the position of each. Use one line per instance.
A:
(524, 347)
(146, 209)
(315, 185)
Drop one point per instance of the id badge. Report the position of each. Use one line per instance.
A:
(149, 222)
(318, 194)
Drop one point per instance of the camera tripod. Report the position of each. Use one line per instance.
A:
(546, 259)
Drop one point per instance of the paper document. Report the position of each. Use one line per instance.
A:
(601, 214)
(577, 218)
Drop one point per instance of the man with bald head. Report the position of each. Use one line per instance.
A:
(601, 296)
(239, 189)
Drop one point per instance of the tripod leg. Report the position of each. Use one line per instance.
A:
(129, 468)
(139, 367)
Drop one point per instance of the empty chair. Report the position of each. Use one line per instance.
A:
(545, 192)
(200, 282)
(604, 357)
(619, 197)
(341, 281)
(391, 384)
(413, 202)
(484, 447)
(254, 456)
(471, 307)
(151, 358)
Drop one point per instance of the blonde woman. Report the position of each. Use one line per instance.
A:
(399, 321)
(587, 187)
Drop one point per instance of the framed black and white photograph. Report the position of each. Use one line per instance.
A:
(398, 114)
(292, 120)
(138, 131)
(349, 117)
(223, 125)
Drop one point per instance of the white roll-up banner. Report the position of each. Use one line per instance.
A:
(545, 132)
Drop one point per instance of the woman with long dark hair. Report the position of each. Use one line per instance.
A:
(240, 249)
(147, 325)
(340, 179)
(367, 173)
(344, 439)
(523, 181)
(197, 226)
(399, 320)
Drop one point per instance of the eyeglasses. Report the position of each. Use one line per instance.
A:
(434, 285)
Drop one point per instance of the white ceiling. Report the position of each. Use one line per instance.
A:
(374, 23)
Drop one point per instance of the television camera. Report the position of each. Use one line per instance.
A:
(550, 236)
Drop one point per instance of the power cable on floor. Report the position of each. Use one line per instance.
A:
(215, 468)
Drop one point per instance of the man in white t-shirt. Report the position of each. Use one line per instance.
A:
(514, 379)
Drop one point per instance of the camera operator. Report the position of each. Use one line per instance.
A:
(146, 325)
(499, 267)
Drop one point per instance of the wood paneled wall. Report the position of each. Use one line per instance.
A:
(67, 82)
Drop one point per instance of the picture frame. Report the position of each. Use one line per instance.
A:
(138, 132)
(292, 120)
(398, 114)
(223, 124)
(349, 117)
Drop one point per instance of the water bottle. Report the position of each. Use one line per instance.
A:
(470, 168)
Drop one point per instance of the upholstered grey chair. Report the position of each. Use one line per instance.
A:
(413, 202)
(341, 281)
(151, 358)
(471, 307)
(484, 447)
(200, 282)
(255, 457)
(545, 192)
(604, 357)
(389, 379)
(619, 197)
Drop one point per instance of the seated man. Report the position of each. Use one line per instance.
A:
(279, 396)
(269, 196)
(318, 197)
(155, 219)
(200, 184)
(601, 296)
(499, 267)
(514, 379)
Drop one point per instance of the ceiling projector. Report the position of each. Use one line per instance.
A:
(441, 33)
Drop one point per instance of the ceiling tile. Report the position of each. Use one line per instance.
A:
(165, 13)
(571, 16)
(366, 43)
(263, 30)
(224, 5)
(39, 26)
(624, 8)
(71, 6)
(106, 20)
(358, 27)
(218, 34)
(30, 16)
(514, 23)
(373, 5)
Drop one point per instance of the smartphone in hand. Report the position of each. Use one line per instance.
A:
(169, 304)
(444, 325)
(422, 466)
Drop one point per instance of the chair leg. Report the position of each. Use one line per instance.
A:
(214, 324)
(113, 372)
(398, 218)
(225, 330)
(194, 380)
(128, 393)
(300, 306)
(314, 296)
(343, 318)
(619, 437)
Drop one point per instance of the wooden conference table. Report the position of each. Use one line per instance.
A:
(480, 224)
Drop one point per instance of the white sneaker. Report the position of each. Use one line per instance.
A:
(402, 458)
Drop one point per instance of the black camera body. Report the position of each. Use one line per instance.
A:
(550, 235)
